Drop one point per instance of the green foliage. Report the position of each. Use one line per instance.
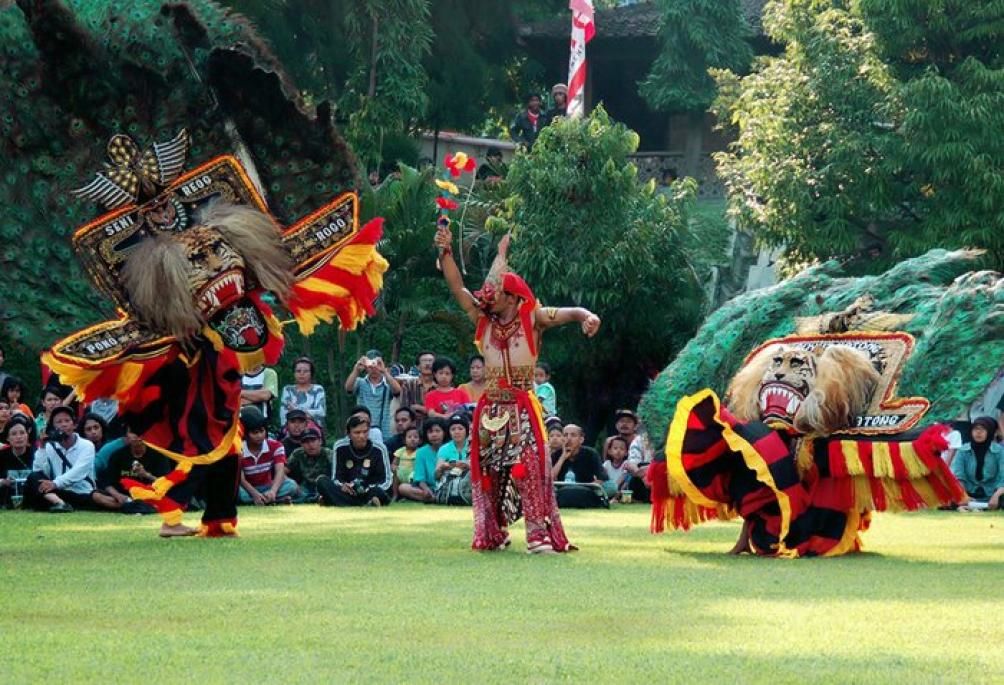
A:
(958, 323)
(875, 134)
(305, 579)
(695, 35)
(587, 232)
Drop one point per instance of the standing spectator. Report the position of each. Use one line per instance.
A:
(527, 123)
(413, 388)
(61, 471)
(422, 487)
(404, 418)
(580, 465)
(259, 387)
(494, 169)
(374, 388)
(14, 391)
(475, 387)
(979, 464)
(15, 463)
(93, 427)
(445, 400)
(559, 93)
(263, 464)
(362, 470)
(626, 425)
(304, 393)
(544, 390)
(310, 463)
(403, 461)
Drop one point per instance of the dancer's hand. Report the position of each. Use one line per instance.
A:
(590, 325)
(444, 237)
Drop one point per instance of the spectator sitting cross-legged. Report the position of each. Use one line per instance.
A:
(14, 391)
(310, 464)
(94, 428)
(979, 465)
(304, 393)
(580, 465)
(297, 421)
(50, 400)
(404, 418)
(422, 487)
(5, 415)
(555, 434)
(445, 400)
(362, 470)
(403, 460)
(137, 461)
(263, 464)
(453, 469)
(61, 477)
(616, 465)
(15, 462)
(626, 425)
(374, 388)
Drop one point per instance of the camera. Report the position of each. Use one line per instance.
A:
(54, 434)
(359, 486)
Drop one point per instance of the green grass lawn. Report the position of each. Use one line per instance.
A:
(395, 595)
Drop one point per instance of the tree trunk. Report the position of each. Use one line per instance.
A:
(374, 49)
(694, 145)
(395, 350)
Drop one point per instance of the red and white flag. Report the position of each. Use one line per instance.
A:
(583, 30)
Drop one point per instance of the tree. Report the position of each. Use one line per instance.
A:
(874, 135)
(586, 231)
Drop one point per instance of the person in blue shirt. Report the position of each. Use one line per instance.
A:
(422, 487)
(979, 464)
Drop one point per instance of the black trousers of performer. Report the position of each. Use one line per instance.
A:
(216, 484)
(332, 495)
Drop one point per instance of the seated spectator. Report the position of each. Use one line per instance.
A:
(615, 465)
(374, 388)
(578, 473)
(626, 425)
(544, 390)
(304, 394)
(263, 464)
(14, 391)
(362, 470)
(309, 464)
(93, 427)
(475, 387)
(259, 387)
(135, 460)
(4, 419)
(61, 471)
(555, 434)
(414, 387)
(15, 463)
(375, 435)
(494, 170)
(3, 374)
(404, 418)
(453, 469)
(979, 465)
(50, 400)
(445, 400)
(422, 487)
(297, 422)
(639, 457)
(403, 461)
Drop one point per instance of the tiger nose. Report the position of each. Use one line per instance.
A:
(778, 376)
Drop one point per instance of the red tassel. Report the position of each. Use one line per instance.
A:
(519, 470)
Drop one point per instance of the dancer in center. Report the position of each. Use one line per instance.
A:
(510, 470)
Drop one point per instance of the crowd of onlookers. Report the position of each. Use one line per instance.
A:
(407, 438)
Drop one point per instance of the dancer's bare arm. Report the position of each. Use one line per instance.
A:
(454, 279)
(550, 317)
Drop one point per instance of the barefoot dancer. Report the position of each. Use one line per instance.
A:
(510, 471)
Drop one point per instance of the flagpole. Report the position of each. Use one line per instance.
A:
(583, 30)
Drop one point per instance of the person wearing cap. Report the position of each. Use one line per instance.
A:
(626, 425)
(310, 465)
(62, 470)
(263, 464)
(374, 388)
(555, 434)
(297, 421)
(559, 94)
(979, 464)
(527, 124)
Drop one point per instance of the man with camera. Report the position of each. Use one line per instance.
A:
(362, 470)
(374, 388)
(62, 472)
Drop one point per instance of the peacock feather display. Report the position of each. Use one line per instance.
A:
(76, 72)
(954, 312)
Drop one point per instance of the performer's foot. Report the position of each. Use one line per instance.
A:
(178, 531)
(540, 548)
(742, 545)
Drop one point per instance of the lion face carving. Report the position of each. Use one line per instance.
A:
(817, 393)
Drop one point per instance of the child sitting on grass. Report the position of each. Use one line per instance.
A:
(616, 467)
(422, 487)
(404, 459)
(543, 388)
